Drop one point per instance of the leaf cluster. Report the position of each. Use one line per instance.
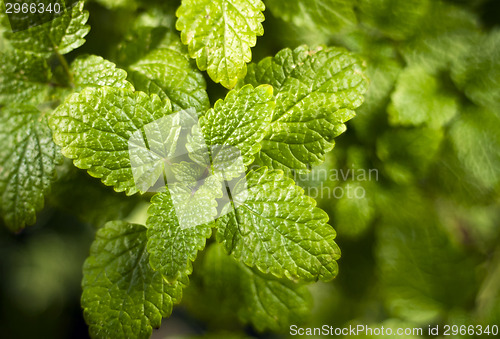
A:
(122, 121)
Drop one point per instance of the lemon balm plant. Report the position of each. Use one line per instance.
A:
(280, 115)
(174, 135)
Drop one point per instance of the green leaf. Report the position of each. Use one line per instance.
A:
(94, 127)
(476, 140)
(143, 40)
(61, 35)
(329, 15)
(4, 24)
(122, 296)
(240, 120)
(23, 78)
(383, 71)
(114, 4)
(94, 71)
(354, 210)
(421, 98)
(278, 229)
(220, 34)
(28, 158)
(143, 83)
(396, 19)
(444, 38)
(271, 303)
(418, 263)
(180, 221)
(169, 69)
(407, 154)
(266, 302)
(316, 91)
(478, 73)
(76, 193)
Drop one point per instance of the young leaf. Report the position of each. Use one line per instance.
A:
(179, 224)
(61, 35)
(122, 296)
(95, 71)
(220, 34)
(23, 78)
(28, 158)
(328, 15)
(278, 229)
(94, 127)
(170, 70)
(316, 91)
(240, 120)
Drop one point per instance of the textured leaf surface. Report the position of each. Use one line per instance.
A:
(63, 34)
(28, 157)
(316, 91)
(278, 229)
(240, 120)
(122, 296)
(220, 34)
(172, 245)
(23, 78)
(93, 127)
(421, 99)
(94, 71)
(169, 69)
(329, 15)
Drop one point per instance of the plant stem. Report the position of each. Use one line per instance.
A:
(65, 66)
